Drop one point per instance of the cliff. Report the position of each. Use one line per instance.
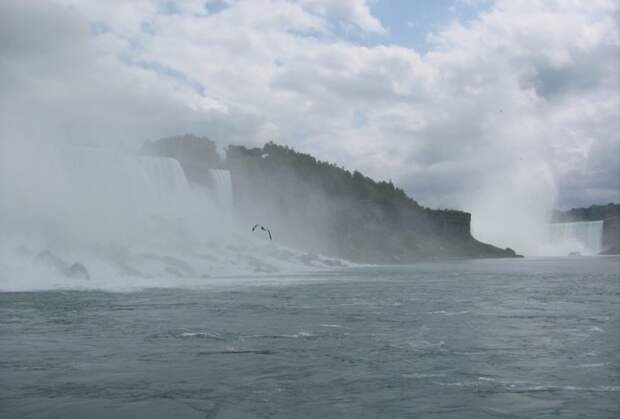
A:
(611, 236)
(326, 209)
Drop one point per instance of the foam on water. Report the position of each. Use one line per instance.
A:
(523, 386)
(199, 335)
(594, 365)
(213, 265)
(450, 313)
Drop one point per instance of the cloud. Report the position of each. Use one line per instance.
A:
(352, 12)
(528, 87)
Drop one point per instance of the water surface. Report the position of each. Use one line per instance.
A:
(466, 339)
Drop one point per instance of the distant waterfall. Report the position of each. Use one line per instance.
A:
(223, 187)
(150, 185)
(84, 194)
(586, 234)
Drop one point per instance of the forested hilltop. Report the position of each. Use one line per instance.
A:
(327, 209)
(591, 213)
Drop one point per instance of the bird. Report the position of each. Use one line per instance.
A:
(262, 228)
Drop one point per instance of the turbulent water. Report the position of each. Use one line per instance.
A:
(468, 339)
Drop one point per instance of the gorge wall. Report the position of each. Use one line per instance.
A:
(323, 208)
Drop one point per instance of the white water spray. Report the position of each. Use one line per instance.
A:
(127, 219)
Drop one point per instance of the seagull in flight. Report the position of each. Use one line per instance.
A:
(262, 228)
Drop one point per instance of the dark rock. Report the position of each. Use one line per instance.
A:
(77, 270)
(50, 260)
(611, 236)
(510, 252)
(53, 262)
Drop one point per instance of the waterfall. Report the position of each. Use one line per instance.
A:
(91, 195)
(222, 187)
(136, 188)
(583, 235)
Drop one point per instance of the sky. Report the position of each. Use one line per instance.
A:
(478, 105)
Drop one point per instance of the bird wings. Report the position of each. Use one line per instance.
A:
(262, 228)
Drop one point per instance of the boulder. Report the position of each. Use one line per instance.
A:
(77, 270)
(53, 262)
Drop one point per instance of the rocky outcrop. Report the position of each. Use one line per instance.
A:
(196, 155)
(611, 236)
(53, 262)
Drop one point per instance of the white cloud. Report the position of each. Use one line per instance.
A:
(355, 12)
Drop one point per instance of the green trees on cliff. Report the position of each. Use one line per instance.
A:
(591, 213)
(335, 180)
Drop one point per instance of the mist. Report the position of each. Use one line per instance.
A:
(506, 131)
(516, 212)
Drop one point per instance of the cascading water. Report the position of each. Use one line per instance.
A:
(223, 189)
(118, 218)
(583, 236)
(80, 195)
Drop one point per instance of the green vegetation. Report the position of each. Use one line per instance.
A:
(328, 208)
(336, 180)
(592, 213)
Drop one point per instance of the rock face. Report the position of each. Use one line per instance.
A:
(77, 270)
(196, 155)
(53, 262)
(326, 209)
(611, 236)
